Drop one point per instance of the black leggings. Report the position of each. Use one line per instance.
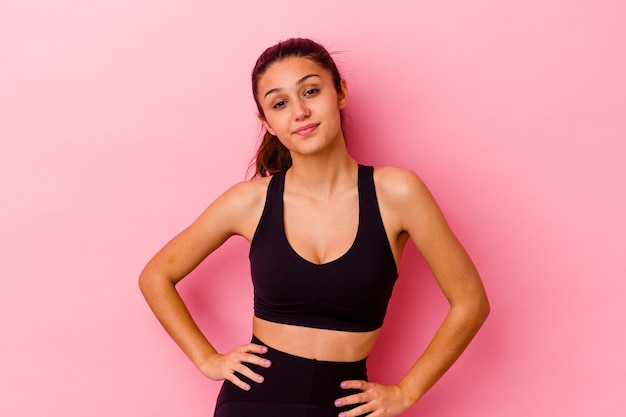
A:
(293, 387)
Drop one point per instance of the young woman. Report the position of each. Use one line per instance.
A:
(326, 235)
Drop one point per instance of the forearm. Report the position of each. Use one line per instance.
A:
(174, 316)
(455, 333)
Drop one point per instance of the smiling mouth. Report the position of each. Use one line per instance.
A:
(306, 130)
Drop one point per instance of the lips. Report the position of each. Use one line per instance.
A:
(306, 130)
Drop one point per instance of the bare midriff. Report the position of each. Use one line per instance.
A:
(311, 343)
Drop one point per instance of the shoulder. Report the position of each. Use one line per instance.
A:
(238, 209)
(244, 198)
(399, 185)
(246, 193)
(405, 200)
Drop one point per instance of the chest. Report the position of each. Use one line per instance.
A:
(321, 231)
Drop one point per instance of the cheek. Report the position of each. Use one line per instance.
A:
(271, 123)
(278, 125)
(277, 120)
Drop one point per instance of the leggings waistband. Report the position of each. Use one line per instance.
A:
(295, 380)
(291, 357)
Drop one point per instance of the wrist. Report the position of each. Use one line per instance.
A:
(203, 359)
(206, 364)
(410, 395)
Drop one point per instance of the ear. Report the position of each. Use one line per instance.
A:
(265, 124)
(342, 96)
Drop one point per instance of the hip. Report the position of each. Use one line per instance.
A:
(293, 387)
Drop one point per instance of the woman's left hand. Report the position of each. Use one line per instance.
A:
(377, 399)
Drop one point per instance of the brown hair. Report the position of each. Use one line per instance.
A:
(272, 156)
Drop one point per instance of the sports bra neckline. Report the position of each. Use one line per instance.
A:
(289, 289)
(301, 258)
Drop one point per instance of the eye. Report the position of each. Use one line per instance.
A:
(311, 91)
(279, 104)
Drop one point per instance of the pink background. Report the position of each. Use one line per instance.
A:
(121, 120)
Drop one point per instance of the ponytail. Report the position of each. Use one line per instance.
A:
(271, 157)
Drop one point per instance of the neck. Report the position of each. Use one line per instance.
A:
(322, 175)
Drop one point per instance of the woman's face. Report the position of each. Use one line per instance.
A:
(301, 105)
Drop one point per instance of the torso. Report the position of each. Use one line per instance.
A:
(320, 344)
(308, 237)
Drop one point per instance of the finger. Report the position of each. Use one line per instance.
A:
(352, 399)
(356, 411)
(243, 370)
(355, 384)
(361, 397)
(356, 398)
(238, 382)
(252, 347)
(254, 359)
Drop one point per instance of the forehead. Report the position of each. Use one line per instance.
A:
(286, 73)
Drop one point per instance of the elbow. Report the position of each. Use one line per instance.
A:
(484, 310)
(148, 283)
(474, 310)
(153, 283)
(143, 282)
(481, 310)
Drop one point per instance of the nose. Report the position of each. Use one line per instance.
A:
(300, 110)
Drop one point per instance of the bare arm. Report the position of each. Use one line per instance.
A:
(416, 213)
(458, 279)
(234, 213)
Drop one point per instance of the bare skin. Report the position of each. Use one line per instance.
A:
(321, 219)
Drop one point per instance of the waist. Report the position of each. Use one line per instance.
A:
(314, 343)
(289, 382)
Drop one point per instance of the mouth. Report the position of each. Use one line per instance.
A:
(306, 130)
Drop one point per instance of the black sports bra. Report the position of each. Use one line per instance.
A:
(350, 293)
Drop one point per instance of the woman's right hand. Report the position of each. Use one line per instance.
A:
(223, 366)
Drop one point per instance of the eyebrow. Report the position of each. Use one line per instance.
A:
(300, 81)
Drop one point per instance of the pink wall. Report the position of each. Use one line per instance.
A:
(121, 120)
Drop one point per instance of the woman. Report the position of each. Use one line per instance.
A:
(326, 235)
